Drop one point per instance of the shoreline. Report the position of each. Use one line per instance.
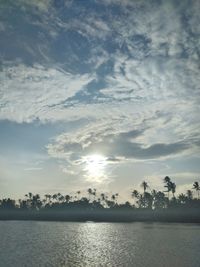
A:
(168, 216)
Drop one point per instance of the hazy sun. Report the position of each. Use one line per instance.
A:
(95, 166)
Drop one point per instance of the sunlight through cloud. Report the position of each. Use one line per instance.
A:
(95, 167)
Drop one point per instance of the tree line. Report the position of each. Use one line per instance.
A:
(150, 199)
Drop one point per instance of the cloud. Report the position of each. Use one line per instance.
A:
(29, 93)
(115, 147)
(41, 5)
(128, 69)
(33, 169)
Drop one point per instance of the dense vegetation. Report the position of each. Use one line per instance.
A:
(149, 199)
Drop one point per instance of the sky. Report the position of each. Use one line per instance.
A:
(98, 93)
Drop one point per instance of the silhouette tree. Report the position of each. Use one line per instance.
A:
(144, 185)
(182, 198)
(173, 188)
(23, 204)
(110, 203)
(113, 197)
(145, 200)
(46, 198)
(196, 186)
(36, 202)
(61, 198)
(67, 198)
(103, 198)
(8, 203)
(94, 193)
(159, 199)
(135, 195)
(90, 193)
(116, 197)
(167, 182)
(54, 197)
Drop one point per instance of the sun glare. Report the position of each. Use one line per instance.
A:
(95, 167)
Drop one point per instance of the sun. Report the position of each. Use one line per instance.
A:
(95, 167)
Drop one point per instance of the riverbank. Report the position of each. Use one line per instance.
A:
(174, 215)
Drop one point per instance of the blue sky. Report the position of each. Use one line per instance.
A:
(101, 93)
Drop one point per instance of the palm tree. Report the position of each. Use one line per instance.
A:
(135, 194)
(144, 185)
(173, 188)
(159, 199)
(90, 192)
(67, 198)
(182, 198)
(167, 179)
(94, 193)
(148, 200)
(36, 203)
(102, 196)
(114, 198)
(196, 186)
(167, 182)
(29, 199)
(54, 196)
(47, 198)
(61, 198)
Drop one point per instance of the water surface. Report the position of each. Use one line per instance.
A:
(57, 244)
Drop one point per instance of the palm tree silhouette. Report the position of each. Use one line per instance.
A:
(147, 199)
(113, 197)
(67, 198)
(144, 185)
(54, 197)
(90, 192)
(135, 195)
(168, 183)
(159, 199)
(196, 186)
(173, 188)
(94, 193)
(102, 196)
(182, 198)
(116, 197)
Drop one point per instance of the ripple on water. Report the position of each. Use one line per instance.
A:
(57, 244)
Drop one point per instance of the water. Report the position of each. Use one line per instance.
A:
(98, 244)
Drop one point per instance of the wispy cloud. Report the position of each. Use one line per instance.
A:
(33, 169)
(129, 69)
(29, 93)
